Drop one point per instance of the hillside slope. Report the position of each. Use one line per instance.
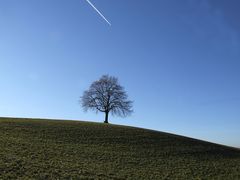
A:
(47, 149)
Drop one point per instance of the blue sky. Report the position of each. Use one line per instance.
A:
(178, 61)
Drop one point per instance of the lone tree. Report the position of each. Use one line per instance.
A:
(107, 95)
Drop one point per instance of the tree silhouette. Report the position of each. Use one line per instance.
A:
(107, 95)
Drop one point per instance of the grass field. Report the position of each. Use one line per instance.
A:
(47, 149)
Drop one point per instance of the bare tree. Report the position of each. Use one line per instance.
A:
(106, 95)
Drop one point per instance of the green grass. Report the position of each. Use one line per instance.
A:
(47, 149)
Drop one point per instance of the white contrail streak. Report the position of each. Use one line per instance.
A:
(98, 12)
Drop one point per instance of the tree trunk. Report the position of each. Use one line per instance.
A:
(106, 117)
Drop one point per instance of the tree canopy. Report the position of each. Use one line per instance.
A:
(108, 96)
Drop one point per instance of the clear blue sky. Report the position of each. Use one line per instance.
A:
(178, 60)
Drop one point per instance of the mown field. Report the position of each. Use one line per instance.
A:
(48, 149)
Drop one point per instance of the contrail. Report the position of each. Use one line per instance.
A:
(98, 12)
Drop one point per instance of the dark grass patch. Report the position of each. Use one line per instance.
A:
(47, 149)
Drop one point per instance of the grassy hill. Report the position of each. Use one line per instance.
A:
(47, 149)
